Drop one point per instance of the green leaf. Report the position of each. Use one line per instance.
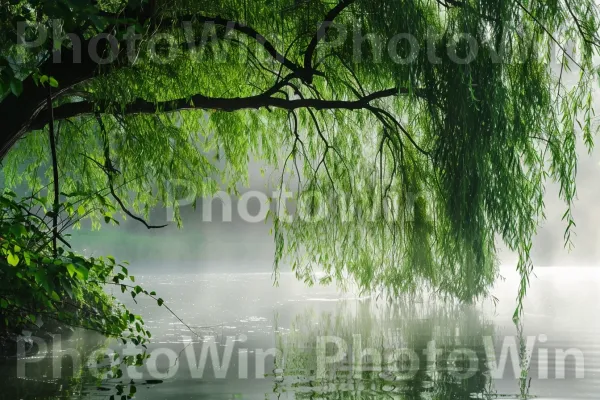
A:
(41, 278)
(71, 269)
(79, 270)
(83, 272)
(16, 87)
(160, 302)
(53, 82)
(12, 259)
(81, 210)
(69, 291)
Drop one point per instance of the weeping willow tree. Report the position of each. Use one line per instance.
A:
(438, 123)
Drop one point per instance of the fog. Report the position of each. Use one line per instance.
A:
(213, 245)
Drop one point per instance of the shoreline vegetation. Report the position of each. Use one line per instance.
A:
(44, 283)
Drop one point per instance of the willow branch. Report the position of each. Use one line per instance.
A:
(54, 173)
(537, 21)
(321, 32)
(200, 102)
(110, 171)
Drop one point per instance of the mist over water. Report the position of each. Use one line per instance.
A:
(239, 246)
(246, 314)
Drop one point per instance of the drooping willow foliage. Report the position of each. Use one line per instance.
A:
(419, 132)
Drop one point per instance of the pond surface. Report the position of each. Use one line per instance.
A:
(251, 340)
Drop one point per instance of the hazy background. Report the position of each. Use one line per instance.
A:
(201, 246)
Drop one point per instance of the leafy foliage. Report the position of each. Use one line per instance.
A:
(38, 288)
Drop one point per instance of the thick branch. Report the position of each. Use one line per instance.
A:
(18, 113)
(200, 102)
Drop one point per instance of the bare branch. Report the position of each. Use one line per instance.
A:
(321, 32)
(54, 173)
(110, 171)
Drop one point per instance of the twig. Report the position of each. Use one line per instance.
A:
(321, 32)
(109, 170)
(548, 32)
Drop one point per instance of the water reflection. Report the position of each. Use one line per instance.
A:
(524, 364)
(400, 350)
(413, 348)
(44, 365)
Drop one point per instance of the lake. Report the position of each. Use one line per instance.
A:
(250, 340)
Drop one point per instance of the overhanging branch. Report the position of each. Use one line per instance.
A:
(200, 102)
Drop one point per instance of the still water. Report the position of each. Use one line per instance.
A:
(292, 341)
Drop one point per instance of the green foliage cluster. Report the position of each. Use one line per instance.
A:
(41, 287)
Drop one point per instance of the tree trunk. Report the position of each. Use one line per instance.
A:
(16, 113)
